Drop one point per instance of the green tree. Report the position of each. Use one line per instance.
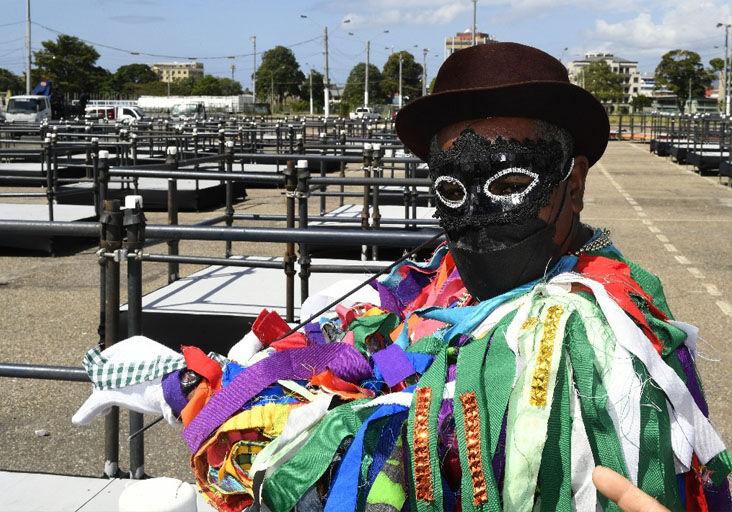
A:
(230, 87)
(679, 70)
(135, 74)
(602, 82)
(71, 65)
(353, 91)
(716, 64)
(318, 90)
(411, 76)
(10, 82)
(206, 86)
(640, 102)
(279, 69)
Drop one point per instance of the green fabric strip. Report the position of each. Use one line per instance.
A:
(540, 345)
(656, 472)
(427, 345)
(365, 326)
(593, 403)
(555, 474)
(433, 378)
(388, 493)
(720, 466)
(284, 488)
(469, 379)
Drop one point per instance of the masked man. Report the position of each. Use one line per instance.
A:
(498, 374)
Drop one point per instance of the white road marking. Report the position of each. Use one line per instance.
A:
(654, 229)
(662, 238)
(712, 290)
(647, 222)
(695, 272)
(670, 248)
(638, 208)
(682, 260)
(641, 214)
(725, 307)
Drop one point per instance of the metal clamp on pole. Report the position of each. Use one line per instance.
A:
(171, 159)
(111, 237)
(303, 191)
(134, 224)
(229, 157)
(368, 153)
(289, 259)
(291, 137)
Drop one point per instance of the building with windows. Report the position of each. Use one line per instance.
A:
(464, 40)
(173, 71)
(628, 69)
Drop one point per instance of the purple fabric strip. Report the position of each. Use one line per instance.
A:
(173, 393)
(393, 364)
(314, 334)
(499, 459)
(411, 286)
(297, 364)
(388, 300)
(692, 384)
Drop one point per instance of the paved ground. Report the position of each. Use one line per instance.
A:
(663, 216)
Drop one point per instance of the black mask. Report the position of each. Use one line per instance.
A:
(489, 195)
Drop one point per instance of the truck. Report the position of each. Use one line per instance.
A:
(366, 113)
(28, 108)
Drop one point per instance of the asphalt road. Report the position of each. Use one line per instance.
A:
(669, 220)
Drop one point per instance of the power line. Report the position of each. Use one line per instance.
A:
(12, 23)
(164, 56)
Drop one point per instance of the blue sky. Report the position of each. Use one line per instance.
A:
(640, 30)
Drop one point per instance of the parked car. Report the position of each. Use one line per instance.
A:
(366, 113)
(188, 111)
(28, 109)
(112, 113)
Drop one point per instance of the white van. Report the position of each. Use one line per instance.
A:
(112, 113)
(364, 113)
(28, 109)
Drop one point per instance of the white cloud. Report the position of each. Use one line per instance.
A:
(687, 24)
(371, 13)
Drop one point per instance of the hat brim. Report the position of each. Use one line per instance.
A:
(559, 103)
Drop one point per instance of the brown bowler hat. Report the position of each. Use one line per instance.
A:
(505, 79)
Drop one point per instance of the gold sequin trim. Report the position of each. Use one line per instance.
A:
(540, 378)
(529, 323)
(471, 420)
(421, 441)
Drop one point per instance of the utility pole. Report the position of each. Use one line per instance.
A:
(424, 71)
(475, 11)
(28, 47)
(688, 101)
(271, 90)
(233, 68)
(727, 70)
(311, 91)
(254, 73)
(326, 89)
(366, 84)
(400, 79)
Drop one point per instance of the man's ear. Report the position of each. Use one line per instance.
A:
(576, 183)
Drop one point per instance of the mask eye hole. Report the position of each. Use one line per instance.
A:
(511, 184)
(450, 191)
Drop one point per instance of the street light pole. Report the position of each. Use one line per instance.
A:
(326, 89)
(400, 79)
(424, 71)
(28, 47)
(727, 69)
(311, 91)
(366, 84)
(254, 73)
(475, 9)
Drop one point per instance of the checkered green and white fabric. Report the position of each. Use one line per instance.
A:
(134, 360)
(109, 374)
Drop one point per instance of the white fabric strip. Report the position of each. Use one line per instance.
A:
(690, 430)
(584, 494)
(403, 398)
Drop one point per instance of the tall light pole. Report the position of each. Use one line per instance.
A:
(475, 12)
(400, 80)
(326, 89)
(366, 84)
(254, 73)
(311, 91)
(424, 71)
(28, 47)
(727, 67)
